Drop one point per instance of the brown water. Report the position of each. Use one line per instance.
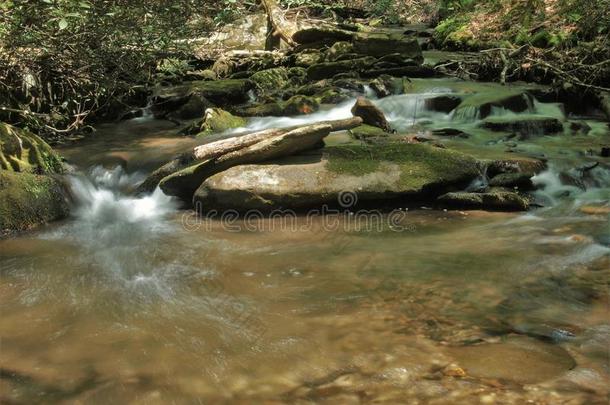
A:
(134, 301)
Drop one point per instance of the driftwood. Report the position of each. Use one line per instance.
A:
(222, 147)
(277, 26)
(184, 183)
(182, 175)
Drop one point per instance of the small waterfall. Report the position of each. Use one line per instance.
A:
(466, 114)
(118, 232)
(578, 186)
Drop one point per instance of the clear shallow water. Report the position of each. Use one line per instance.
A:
(132, 300)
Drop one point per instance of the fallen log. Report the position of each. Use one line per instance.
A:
(215, 149)
(183, 183)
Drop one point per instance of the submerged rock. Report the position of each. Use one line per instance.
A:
(401, 172)
(493, 200)
(442, 103)
(524, 124)
(27, 200)
(519, 359)
(481, 105)
(218, 120)
(370, 114)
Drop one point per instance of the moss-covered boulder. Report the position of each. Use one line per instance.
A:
(195, 105)
(27, 200)
(296, 105)
(367, 132)
(338, 50)
(220, 92)
(397, 172)
(271, 80)
(217, 120)
(23, 151)
(274, 109)
(322, 35)
(329, 69)
(307, 58)
(331, 96)
(381, 44)
(300, 105)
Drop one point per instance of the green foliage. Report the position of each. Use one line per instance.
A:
(66, 60)
(386, 9)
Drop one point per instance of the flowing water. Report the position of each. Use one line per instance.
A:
(134, 300)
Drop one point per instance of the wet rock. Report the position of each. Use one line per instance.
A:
(443, 103)
(484, 102)
(329, 69)
(322, 35)
(193, 108)
(381, 44)
(370, 114)
(381, 87)
(219, 92)
(579, 128)
(595, 210)
(495, 201)
(23, 151)
(451, 132)
(408, 71)
(300, 105)
(519, 359)
(605, 151)
(525, 125)
(392, 171)
(526, 166)
(27, 200)
(522, 181)
(217, 120)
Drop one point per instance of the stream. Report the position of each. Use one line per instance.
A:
(131, 300)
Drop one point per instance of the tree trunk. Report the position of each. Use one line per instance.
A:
(277, 28)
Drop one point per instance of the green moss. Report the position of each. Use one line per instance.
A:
(420, 165)
(367, 131)
(218, 120)
(23, 151)
(271, 79)
(299, 105)
(27, 200)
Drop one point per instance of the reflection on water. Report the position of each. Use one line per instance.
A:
(121, 303)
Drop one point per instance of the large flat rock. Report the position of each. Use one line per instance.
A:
(401, 172)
